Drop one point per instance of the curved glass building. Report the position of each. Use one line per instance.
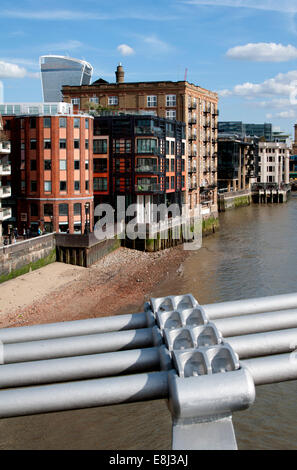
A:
(57, 71)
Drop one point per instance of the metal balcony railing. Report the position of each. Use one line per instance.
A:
(5, 214)
(146, 169)
(5, 169)
(5, 191)
(147, 187)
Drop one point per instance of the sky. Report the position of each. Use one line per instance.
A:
(246, 51)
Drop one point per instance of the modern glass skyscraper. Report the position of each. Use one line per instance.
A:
(57, 71)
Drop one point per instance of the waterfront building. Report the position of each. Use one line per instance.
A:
(274, 160)
(142, 158)
(242, 129)
(293, 167)
(237, 162)
(57, 71)
(5, 171)
(181, 101)
(52, 166)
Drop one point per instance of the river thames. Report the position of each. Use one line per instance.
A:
(253, 254)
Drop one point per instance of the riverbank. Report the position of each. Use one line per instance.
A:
(119, 283)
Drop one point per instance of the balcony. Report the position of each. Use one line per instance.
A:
(192, 169)
(192, 105)
(192, 121)
(5, 214)
(147, 188)
(216, 113)
(5, 169)
(5, 191)
(146, 169)
(192, 137)
(5, 147)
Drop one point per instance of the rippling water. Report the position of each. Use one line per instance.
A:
(254, 254)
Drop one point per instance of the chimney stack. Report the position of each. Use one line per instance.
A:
(120, 74)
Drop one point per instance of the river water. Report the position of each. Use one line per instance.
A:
(253, 254)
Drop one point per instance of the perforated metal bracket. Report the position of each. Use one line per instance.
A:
(206, 384)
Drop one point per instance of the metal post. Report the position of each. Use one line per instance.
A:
(264, 344)
(257, 323)
(75, 328)
(80, 345)
(248, 306)
(272, 369)
(83, 394)
(79, 367)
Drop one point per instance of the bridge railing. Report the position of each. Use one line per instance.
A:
(204, 359)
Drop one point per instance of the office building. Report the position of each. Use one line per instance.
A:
(5, 171)
(52, 168)
(274, 163)
(237, 162)
(57, 71)
(141, 158)
(181, 101)
(242, 129)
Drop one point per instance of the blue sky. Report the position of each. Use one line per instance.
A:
(244, 50)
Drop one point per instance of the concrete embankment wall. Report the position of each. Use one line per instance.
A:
(83, 250)
(27, 255)
(233, 200)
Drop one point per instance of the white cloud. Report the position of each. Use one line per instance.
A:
(8, 70)
(281, 85)
(64, 46)
(286, 6)
(125, 50)
(289, 114)
(263, 52)
(157, 44)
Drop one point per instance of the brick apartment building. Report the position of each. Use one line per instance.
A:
(141, 158)
(5, 171)
(183, 101)
(52, 167)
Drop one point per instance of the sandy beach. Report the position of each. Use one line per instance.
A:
(120, 282)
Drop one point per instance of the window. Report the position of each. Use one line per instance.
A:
(167, 182)
(48, 210)
(87, 123)
(33, 186)
(100, 165)
(47, 164)
(62, 143)
(62, 122)
(86, 185)
(86, 144)
(86, 164)
(100, 184)
(172, 147)
(47, 122)
(167, 165)
(32, 123)
(170, 100)
(152, 101)
(63, 186)
(76, 185)
(183, 164)
(76, 122)
(32, 165)
(172, 164)
(77, 208)
(171, 114)
(167, 147)
(76, 143)
(34, 209)
(94, 99)
(63, 209)
(47, 186)
(172, 182)
(75, 101)
(63, 164)
(33, 144)
(100, 146)
(113, 100)
(183, 148)
(47, 144)
(147, 146)
(76, 164)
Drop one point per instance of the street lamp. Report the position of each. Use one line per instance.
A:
(87, 217)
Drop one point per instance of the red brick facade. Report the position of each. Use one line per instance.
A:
(52, 171)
